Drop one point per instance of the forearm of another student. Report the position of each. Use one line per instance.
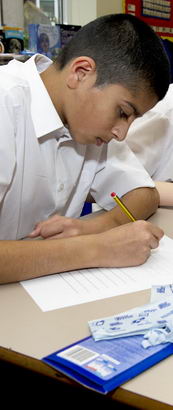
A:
(127, 245)
(165, 190)
(141, 202)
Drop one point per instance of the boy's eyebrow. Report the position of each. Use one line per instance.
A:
(136, 112)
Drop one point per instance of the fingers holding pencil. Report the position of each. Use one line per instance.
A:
(151, 234)
(129, 244)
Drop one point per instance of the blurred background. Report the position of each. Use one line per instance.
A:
(44, 26)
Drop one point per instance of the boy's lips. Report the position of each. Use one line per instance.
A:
(99, 141)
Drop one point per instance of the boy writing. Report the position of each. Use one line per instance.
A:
(56, 121)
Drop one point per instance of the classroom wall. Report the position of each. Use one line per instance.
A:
(83, 11)
(13, 13)
(108, 6)
(80, 11)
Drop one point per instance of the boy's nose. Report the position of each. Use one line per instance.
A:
(120, 132)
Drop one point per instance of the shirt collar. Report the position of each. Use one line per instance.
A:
(45, 118)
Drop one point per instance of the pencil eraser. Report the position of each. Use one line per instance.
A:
(113, 194)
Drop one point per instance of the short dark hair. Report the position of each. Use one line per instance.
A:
(126, 51)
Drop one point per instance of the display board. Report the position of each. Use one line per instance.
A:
(157, 13)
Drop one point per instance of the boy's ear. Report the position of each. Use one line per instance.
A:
(79, 70)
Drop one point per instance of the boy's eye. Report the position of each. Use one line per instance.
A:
(123, 114)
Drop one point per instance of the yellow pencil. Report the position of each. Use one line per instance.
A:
(122, 206)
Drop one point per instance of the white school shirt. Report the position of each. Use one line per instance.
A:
(43, 170)
(151, 139)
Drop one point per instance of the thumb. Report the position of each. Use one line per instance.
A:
(35, 232)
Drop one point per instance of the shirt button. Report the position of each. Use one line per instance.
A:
(60, 187)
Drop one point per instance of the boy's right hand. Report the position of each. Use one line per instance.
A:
(129, 244)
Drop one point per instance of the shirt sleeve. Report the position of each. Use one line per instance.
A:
(151, 139)
(7, 142)
(122, 173)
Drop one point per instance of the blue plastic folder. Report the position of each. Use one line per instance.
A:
(105, 365)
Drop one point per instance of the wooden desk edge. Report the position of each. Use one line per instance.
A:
(120, 395)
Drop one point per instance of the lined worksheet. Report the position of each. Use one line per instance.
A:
(86, 285)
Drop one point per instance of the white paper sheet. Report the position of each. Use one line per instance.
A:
(82, 286)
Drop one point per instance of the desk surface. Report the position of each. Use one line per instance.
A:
(27, 334)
